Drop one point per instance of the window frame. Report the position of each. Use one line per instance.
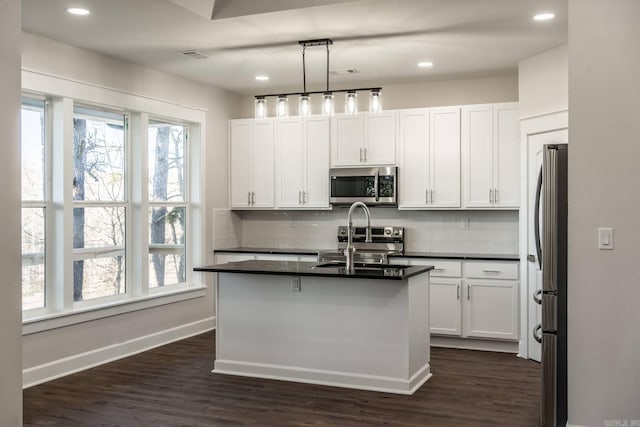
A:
(60, 96)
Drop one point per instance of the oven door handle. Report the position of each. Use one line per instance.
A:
(375, 184)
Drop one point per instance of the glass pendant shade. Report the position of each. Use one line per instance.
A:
(375, 101)
(304, 105)
(282, 106)
(351, 103)
(261, 108)
(327, 104)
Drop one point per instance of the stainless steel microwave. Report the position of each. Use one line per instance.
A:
(373, 186)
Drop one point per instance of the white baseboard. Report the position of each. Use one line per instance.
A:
(475, 344)
(324, 377)
(79, 362)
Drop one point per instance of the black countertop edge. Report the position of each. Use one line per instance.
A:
(290, 268)
(411, 254)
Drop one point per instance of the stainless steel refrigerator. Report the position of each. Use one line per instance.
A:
(551, 243)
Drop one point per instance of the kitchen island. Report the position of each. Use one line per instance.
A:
(296, 321)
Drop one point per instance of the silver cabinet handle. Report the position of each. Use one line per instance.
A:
(468, 291)
(438, 269)
(490, 196)
(253, 198)
(492, 271)
(360, 153)
(495, 195)
(537, 296)
(304, 197)
(431, 197)
(458, 290)
(365, 154)
(426, 196)
(537, 333)
(299, 197)
(248, 197)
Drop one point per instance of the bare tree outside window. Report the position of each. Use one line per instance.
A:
(167, 204)
(99, 204)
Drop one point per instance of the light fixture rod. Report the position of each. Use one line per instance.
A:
(327, 67)
(304, 70)
(315, 42)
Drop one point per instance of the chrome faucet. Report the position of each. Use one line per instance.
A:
(348, 252)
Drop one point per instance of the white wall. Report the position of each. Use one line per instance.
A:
(10, 316)
(502, 87)
(604, 293)
(543, 83)
(91, 338)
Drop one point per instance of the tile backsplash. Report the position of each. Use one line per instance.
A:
(429, 231)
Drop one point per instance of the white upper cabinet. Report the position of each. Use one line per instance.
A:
(428, 155)
(491, 155)
(251, 148)
(363, 139)
(302, 163)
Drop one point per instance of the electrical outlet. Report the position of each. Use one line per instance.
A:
(466, 223)
(605, 238)
(295, 284)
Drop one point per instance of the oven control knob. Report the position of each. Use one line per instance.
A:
(396, 232)
(387, 231)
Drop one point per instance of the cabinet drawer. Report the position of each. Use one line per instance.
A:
(491, 270)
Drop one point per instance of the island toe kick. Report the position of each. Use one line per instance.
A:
(346, 332)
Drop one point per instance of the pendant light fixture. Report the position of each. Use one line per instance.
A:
(328, 95)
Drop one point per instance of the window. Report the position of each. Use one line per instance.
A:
(167, 203)
(99, 204)
(34, 203)
(108, 213)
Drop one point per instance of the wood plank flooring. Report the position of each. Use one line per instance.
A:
(173, 386)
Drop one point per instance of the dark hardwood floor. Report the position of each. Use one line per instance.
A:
(173, 386)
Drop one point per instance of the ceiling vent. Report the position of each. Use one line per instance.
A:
(344, 72)
(194, 54)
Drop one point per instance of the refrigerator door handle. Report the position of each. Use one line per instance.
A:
(537, 333)
(536, 219)
(537, 296)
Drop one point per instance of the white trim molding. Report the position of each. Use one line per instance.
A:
(79, 362)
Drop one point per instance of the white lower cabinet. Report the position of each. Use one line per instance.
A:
(472, 299)
(224, 257)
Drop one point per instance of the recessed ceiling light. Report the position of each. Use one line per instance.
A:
(544, 16)
(262, 78)
(78, 11)
(425, 64)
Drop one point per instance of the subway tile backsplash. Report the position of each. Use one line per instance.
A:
(426, 231)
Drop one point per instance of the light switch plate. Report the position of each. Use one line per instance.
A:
(295, 284)
(605, 238)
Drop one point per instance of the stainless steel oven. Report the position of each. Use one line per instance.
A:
(373, 186)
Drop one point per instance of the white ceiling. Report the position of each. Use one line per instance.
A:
(382, 39)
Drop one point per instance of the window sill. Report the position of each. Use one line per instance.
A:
(51, 321)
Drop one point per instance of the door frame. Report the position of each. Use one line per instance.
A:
(530, 126)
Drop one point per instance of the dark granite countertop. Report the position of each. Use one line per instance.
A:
(292, 268)
(411, 254)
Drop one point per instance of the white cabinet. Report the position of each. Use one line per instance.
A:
(491, 155)
(224, 257)
(491, 300)
(302, 163)
(472, 299)
(363, 139)
(251, 148)
(428, 155)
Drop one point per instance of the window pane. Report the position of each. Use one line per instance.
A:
(98, 277)
(33, 273)
(98, 242)
(97, 227)
(166, 162)
(99, 156)
(33, 149)
(166, 246)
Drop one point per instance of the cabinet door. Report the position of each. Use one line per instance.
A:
(262, 156)
(239, 141)
(413, 159)
(445, 158)
(445, 306)
(347, 137)
(380, 139)
(477, 143)
(289, 163)
(490, 309)
(506, 156)
(316, 189)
